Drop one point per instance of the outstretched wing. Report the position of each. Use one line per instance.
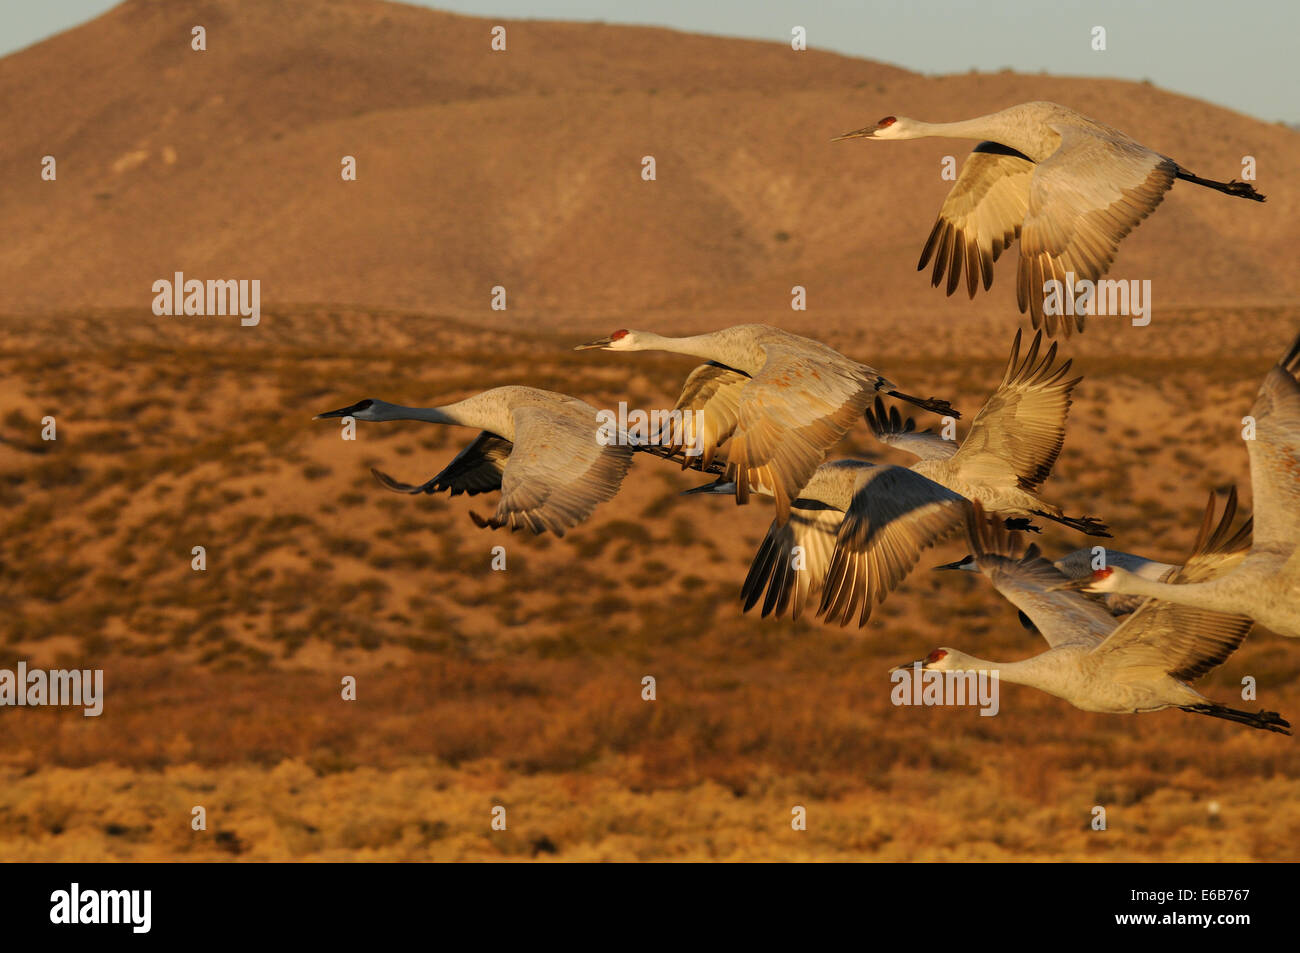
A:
(894, 515)
(1018, 433)
(711, 395)
(790, 416)
(791, 562)
(476, 469)
(1275, 453)
(1083, 199)
(558, 471)
(1183, 641)
(1028, 581)
(892, 429)
(980, 218)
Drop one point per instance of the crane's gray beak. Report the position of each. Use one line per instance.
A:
(341, 412)
(908, 666)
(959, 564)
(715, 487)
(603, 342)
(868, 132)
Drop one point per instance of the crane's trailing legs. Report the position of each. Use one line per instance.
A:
(1243, 190)
(1089, 525)
(1264, 720)
(932, 404)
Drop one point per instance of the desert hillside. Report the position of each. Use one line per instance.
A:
(522, 169)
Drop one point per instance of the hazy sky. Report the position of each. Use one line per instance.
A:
(1242, 54)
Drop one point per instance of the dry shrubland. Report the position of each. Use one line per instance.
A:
(523, 688)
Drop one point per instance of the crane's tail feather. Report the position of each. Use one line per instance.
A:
(1264, 720)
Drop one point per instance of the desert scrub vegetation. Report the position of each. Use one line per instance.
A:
(526, 686)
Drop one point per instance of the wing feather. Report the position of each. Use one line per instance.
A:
(894, 515)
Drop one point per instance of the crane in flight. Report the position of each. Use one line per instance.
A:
(778, 402)
(1069, 187)
(1080, 563)
(858, 528)
(1096, 663)
(539, 448)
(1012, 445)
(1266, 585)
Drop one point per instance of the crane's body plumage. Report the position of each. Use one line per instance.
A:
(541, 449)
(1068, 187)
(775, 402)
(1139, 664)
(860, 527)
(1265, 585)
(1013, 443)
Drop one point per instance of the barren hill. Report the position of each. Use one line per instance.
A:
(523, 169)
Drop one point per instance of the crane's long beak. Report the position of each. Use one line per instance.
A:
(341, 412)
(959, 564)
(908, 666)
(717, 486)
(867, 132)
(603, 342)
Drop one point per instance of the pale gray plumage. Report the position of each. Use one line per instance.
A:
(1081, 563)
(542, 450)
(1069, 187)
(774, 403)
(855, 532)
(1140, 664)
(1266, 583)
(881, 518)
(1013, 442)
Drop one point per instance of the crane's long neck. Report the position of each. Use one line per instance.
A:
(1198, 595)
(1034, 138)
(981, 127)
(465, 413)
(1032, 671)
(710, 347)
(433, 415)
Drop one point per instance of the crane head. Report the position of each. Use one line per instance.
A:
(1099, 580)
(935, 660)
(620, 340)
(891, 127)
(362, 410)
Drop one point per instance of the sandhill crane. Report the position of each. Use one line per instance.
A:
(855, 531)
(1266, 586)
(1012, 445)
(778, 401)
(1096, 663)
(860, 527)
(539, 448)
(1067, 186)
(1082, 562)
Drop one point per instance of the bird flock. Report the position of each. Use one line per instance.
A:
(766, 408)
